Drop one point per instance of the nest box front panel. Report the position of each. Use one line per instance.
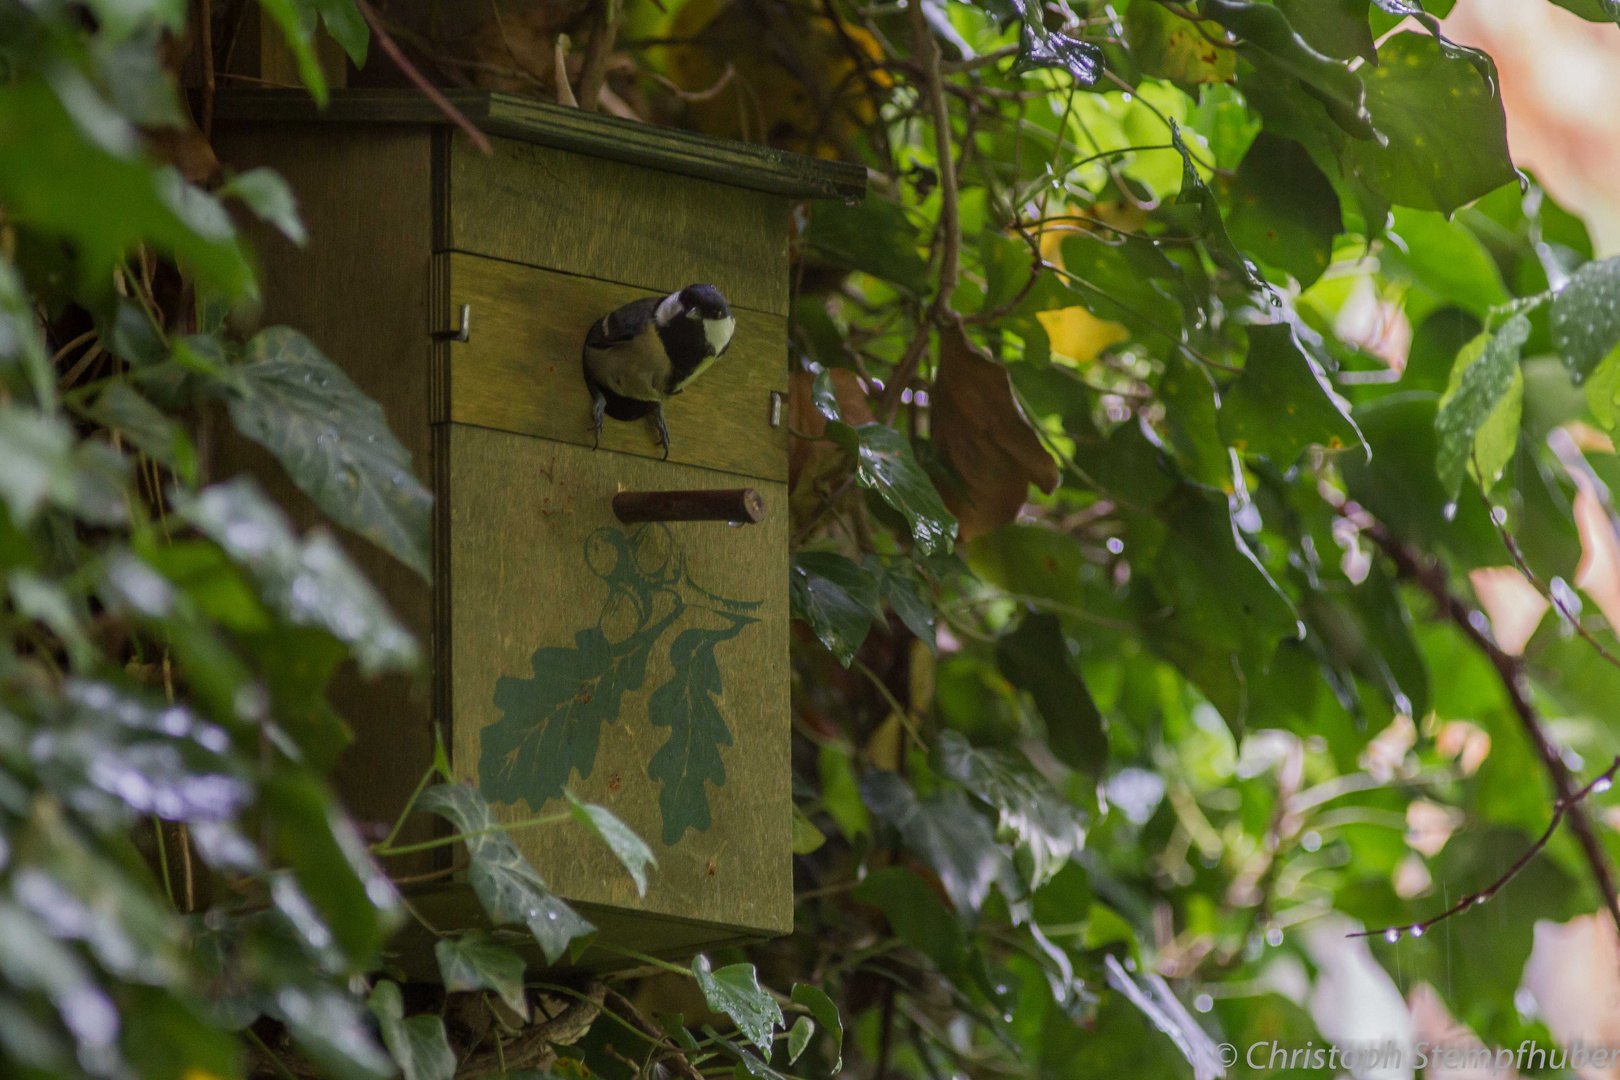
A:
(643, 667)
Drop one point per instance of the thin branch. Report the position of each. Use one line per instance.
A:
(409, 70)
(950, 224)
(597, 49)
(1429, 575)
(1560, 808)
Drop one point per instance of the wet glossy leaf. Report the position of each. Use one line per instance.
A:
(735, 991)
(506, 884)
(1447, 136)
(418, 1044)
(1336, 28)
(1212, 227)
(1445, 258)
(1586, 316)
(1035, 658)
(475, 961)
(1282, 402)
(312, 583)
(875, 237)
(944, 832)
(626, 846)
(836, 597)
(886, 465)
(334, 442)
(1284, 211)
(1477, 425)
(1048, 830)
(1272, 44)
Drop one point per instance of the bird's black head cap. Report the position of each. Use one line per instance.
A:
(707, 300)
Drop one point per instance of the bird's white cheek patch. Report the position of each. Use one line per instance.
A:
(718, 332)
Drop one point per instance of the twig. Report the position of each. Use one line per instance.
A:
(1499, 519)
(622, 1007)
(950, 224)
(1510, 669)
(205, 17)
(409, 70)
(1560, 808)
(594, 71)
(821, 511)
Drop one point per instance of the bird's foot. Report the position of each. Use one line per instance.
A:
(663, 431)
(598, 408)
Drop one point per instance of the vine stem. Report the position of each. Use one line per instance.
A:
(401, 61)
(1431, 577)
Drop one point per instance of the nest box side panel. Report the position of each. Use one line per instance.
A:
(622, 223)
(360, 292)
(643, 667)
(520, 370)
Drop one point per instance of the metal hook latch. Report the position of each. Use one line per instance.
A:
(462, 333)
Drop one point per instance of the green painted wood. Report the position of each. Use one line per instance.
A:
(743, 165)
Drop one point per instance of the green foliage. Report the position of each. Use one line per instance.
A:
(1073, 798)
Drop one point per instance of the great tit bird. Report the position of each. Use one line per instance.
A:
(647, 351)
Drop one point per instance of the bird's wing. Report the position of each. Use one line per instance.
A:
(623, 325)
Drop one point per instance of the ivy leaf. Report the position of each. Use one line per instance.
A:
(417, 1043)
(312, 583)
(799, 1037)
(347, 26)
(916, 915)
(1271, 44)
(1586, 316)
(1603, 390)
(1039, 47)
(104, 203)
(121, 408)
(1282, 402)
(506, 884)
(885, 464)
(747, 1063)
(334, 443)
(631, 851)
(1284, 211)
(1593, 10)
(551, 723)
(689, 705)
(836, 597)
(1212, 228)
(1048, 829)
(264, 192)
(944, 832)
(475, 961)
(1478, 419)
(735, 991)
(826, 1013)
(38, 452)
(1336, 28)
(299, 31)
(1170, 47)
(806, 837)
(1035, 658)
(331, 1027)
(906, 595)
(1445, 130)
(875, 237)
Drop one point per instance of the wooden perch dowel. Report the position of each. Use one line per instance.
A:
(742, 506)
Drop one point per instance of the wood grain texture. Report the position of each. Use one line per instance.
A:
(669, 150)
(521, 371)
(522, 514)
(360, 292)
(637, 226)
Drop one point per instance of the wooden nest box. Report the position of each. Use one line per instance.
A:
(642, 664)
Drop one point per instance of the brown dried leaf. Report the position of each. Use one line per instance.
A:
(982, 434)
(187, 149)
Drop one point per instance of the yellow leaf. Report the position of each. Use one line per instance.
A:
(1080, 335)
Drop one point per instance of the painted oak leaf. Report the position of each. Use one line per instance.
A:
(551, 723)
(689, 705)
